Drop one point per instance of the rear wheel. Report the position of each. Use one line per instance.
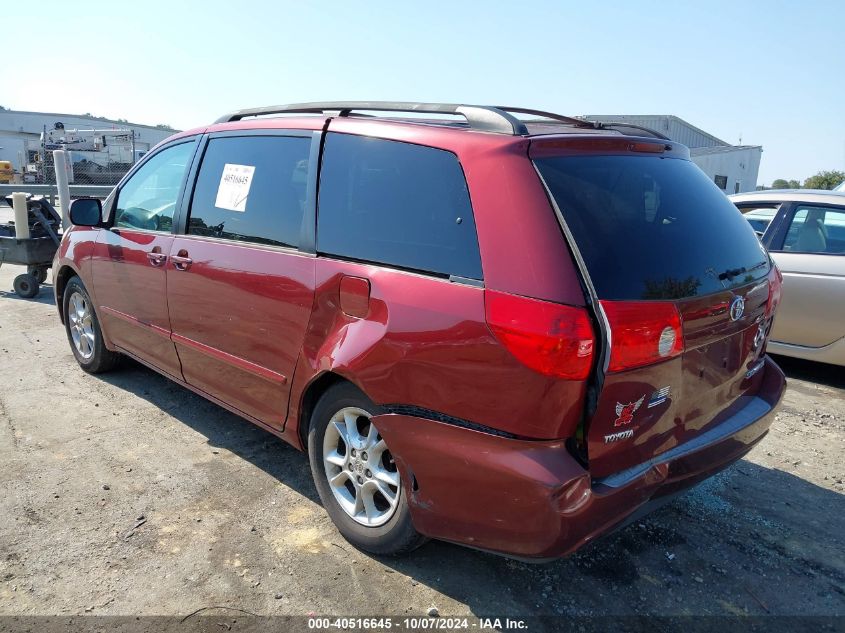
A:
(83, 330)
(356, 476)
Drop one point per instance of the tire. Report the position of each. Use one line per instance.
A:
(91, 354)
(391, 532)
(39, 272)
(26, 286)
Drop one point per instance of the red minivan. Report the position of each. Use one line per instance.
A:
(515, 330)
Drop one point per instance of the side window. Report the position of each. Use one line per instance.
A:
(398, 204)
(252, 189)
(816, 230)
(759, 216)
(148, 199)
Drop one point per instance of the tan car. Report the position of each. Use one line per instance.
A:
(804, 230)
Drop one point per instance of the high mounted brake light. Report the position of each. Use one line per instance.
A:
(642, 333)
(550, 338)
(649, 148)
(542, 147)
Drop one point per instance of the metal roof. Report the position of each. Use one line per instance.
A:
(88, 117)
(820, 196)
(665, 123)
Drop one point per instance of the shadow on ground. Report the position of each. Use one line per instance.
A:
(222, 429)
(824, 373)
(728, 547)
(44, 296)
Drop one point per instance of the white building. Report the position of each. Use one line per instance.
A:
(732, 167)
(20, 133)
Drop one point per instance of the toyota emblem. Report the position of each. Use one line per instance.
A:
(737, 308)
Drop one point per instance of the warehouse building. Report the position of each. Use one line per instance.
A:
(21, 133)
(732, 167)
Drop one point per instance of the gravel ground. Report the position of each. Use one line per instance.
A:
(127, 494)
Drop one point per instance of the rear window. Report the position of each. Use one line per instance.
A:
(398, 204)
(652, 228)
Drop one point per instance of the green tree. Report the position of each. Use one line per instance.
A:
(824, 180)
(780, 183)
(794, 184)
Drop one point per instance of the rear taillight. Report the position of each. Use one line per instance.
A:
(553, 339)
(775, 290)
(642, 333)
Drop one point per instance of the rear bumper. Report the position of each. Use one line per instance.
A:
(533, 499)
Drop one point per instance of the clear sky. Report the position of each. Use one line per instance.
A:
(772, 72)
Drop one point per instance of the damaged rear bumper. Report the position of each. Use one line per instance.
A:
(532, 499)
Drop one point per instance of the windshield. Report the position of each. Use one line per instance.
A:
(651, 227)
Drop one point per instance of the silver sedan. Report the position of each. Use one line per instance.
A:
(804, 230)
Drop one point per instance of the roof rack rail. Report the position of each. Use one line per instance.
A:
(549, 115)
(484, 118)
(599, 125)
(607, 125)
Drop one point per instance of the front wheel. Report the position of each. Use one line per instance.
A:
(356, 475)
(83, 330)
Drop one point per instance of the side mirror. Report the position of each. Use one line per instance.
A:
(86, 212)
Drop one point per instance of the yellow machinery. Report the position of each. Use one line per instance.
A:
(6, 172)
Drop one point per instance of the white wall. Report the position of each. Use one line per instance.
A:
(739, 164)
(16, 128)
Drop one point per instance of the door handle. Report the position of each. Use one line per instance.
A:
(181, 261)
(156, 257)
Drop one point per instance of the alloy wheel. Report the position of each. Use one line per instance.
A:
(81, 325)
(359, 468)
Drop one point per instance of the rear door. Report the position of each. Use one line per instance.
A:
(240, 282)
(129, 259)
(681, 283)
(810, 252)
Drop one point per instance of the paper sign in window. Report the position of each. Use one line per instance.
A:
(233, 191)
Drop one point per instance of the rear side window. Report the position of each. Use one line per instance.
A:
(397, 204)
(652, 228)
(252, 189)
(816, 230)
(759, 217)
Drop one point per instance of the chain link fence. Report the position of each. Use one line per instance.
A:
(95, 156)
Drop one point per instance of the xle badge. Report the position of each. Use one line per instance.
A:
(616, 437)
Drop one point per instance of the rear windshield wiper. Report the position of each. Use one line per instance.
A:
(730, 273)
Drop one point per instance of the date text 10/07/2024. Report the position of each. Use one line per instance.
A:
(417, 624)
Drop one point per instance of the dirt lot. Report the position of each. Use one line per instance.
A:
(126, 494)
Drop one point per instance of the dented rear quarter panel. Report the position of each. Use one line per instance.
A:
(424, 342)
